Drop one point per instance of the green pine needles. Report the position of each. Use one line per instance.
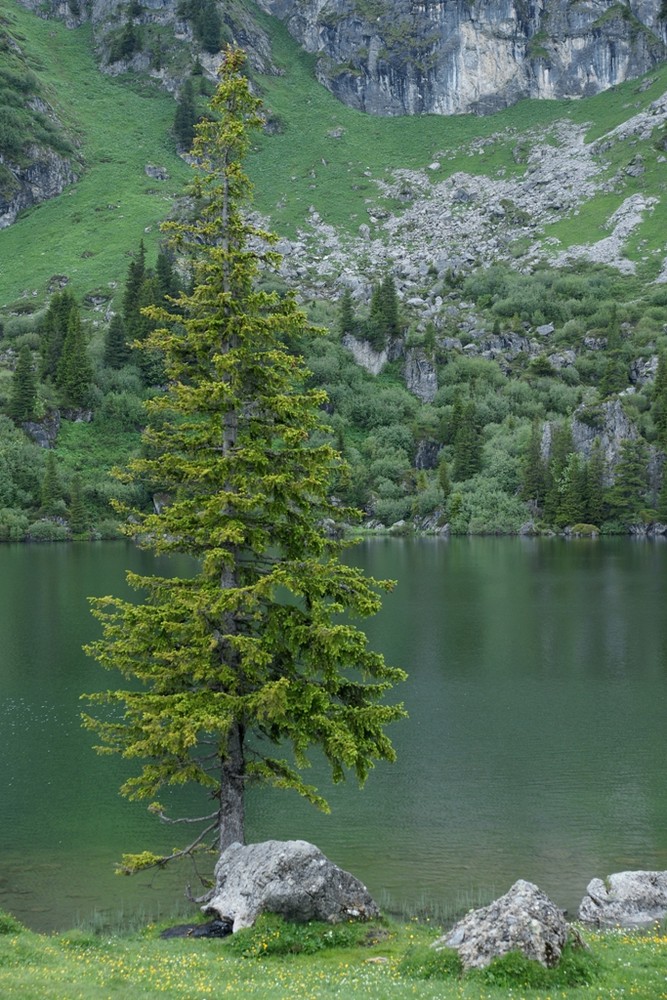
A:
(254, 660)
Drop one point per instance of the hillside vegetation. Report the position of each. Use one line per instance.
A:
(488, 390)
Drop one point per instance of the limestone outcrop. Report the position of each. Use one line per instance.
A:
(524, 920)
(290, 877)
(454, 56)
(627, 899)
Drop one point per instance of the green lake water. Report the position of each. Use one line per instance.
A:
(536, 745)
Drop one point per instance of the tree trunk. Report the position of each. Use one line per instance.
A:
(232, 803)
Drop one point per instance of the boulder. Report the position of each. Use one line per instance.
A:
(628, 899)
(524, 920)
(290, 877)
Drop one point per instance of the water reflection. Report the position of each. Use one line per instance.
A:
(535, 746)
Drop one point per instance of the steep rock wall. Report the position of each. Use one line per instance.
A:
(45, 175)
(392, 57)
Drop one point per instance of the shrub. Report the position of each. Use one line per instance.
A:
(47, 531)
(577, 967)
(13, 525)
(271, 935)
(426, 963)
(9, 924)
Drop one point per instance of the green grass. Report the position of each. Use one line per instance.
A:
(87, 232)
(380, 962)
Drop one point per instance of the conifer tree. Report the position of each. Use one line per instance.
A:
(24, 388)
(533, 468)
(74, 375)
(253, 660)
(54, 331)
(561, 448)
(136, 275)
(467, 445)
(346, 319)
(116, 347)
(52, 491)
(662, 497)
(185, 118)
(660, 400)
(150, 361)
(573, 492)
(444, 480)
(383, 316)
(627, 496)
(78, 515)
(167, 282)
(595, 485)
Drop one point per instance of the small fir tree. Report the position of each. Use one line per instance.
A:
(23, 396)
(167, 282)
(136, 275)
(185, 118)
(467, 445)
(116, 347)
(444, 480)
(533, 468)
(52, 491)
(627, 496)
(660, 401)
(253, 660)
(572, 486)
(347, 322)
(662, 497)
(78, 515)
(54, 330)
(596, 490)
(560, 451)
(74, 376)
(209, 26)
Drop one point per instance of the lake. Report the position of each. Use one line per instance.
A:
(536, 744)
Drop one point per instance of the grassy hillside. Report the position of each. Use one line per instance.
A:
(277, 961)
(87, 231)
(324, 155)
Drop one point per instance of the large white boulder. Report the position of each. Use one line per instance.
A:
(290, 877)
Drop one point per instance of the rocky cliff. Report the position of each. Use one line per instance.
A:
(161, 37)
(37, 160)
(392, 57)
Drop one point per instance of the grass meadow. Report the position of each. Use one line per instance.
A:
(278, 961)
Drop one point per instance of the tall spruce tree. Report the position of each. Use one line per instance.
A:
(78, 515)
(54, 330)
(533, 468)
(660, 400)
(467, 444)
(24, 388)
(347, 322)
(51, 491)
(74, 375)
(627, 497)
(185, 118)
(253, 660)
(596, 491)
(116, 347)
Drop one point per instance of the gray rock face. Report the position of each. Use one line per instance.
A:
(289, 877)
(44, 175)
(44, 432)
(611, 426)
(453, 56)
(420, 375)
(524, 920)
(631, 899)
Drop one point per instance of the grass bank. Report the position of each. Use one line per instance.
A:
(276, 961)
